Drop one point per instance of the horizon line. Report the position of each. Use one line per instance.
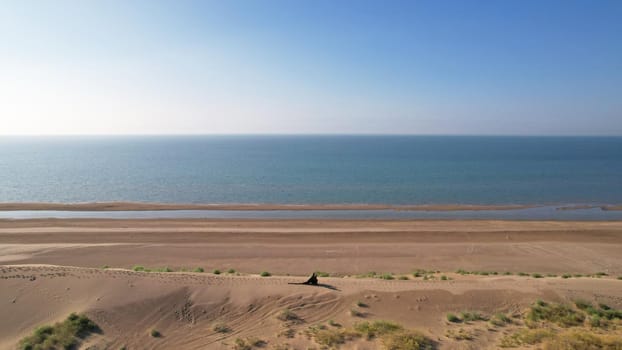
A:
(302, 134)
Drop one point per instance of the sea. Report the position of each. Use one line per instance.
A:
(297, 169)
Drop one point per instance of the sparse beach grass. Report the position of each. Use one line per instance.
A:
(393, 336)
(500, 320)
(248, 343)
(221, 328)
(288, 316)
(373, 329)
(62, 335)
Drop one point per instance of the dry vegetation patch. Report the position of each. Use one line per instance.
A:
(392, 335)
(564, 327)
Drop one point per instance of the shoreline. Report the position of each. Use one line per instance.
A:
(153, 206)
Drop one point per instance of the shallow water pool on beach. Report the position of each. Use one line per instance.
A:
(536, 213)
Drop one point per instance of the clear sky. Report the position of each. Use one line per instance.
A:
(262, 66)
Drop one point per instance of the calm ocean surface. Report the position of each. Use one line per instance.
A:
(313, 169)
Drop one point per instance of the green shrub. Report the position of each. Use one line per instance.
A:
(583, 340)
(376, 328)
(386, 276)
(603, 311)
(333, 323)
(453, 318)
(597, 322)
(265, 274)
(329, 338)
(287, 315)
(582, 304)
(407, 340)
(460, 334)
(322, 274)
(403, 278)
(566, 275)
(216, 272)
(356, 313)
(221, 328)
(523, 274)
(199, 269)
(156, 334)
(470, 316)
(248, 343)
(231, 271)
(61, 335)
(604, 306)
(500, 320)
(526, 337)
(361, 304)
(241, 344)
(138, 268)
(371, 274)
(559, 314)
(419, 273)
(536, 275)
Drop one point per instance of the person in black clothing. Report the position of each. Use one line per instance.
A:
(312, 280)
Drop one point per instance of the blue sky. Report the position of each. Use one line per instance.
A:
(404, 67)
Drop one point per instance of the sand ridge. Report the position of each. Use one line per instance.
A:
(185, 306)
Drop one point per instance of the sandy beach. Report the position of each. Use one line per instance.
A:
(300, 246)
(54, 267)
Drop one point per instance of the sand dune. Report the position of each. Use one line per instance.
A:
(185, 306)
(38, 284)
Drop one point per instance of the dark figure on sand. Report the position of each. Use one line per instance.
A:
(312, 281)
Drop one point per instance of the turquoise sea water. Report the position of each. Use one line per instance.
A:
(313, 169)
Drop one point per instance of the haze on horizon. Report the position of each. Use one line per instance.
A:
(398, 67)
